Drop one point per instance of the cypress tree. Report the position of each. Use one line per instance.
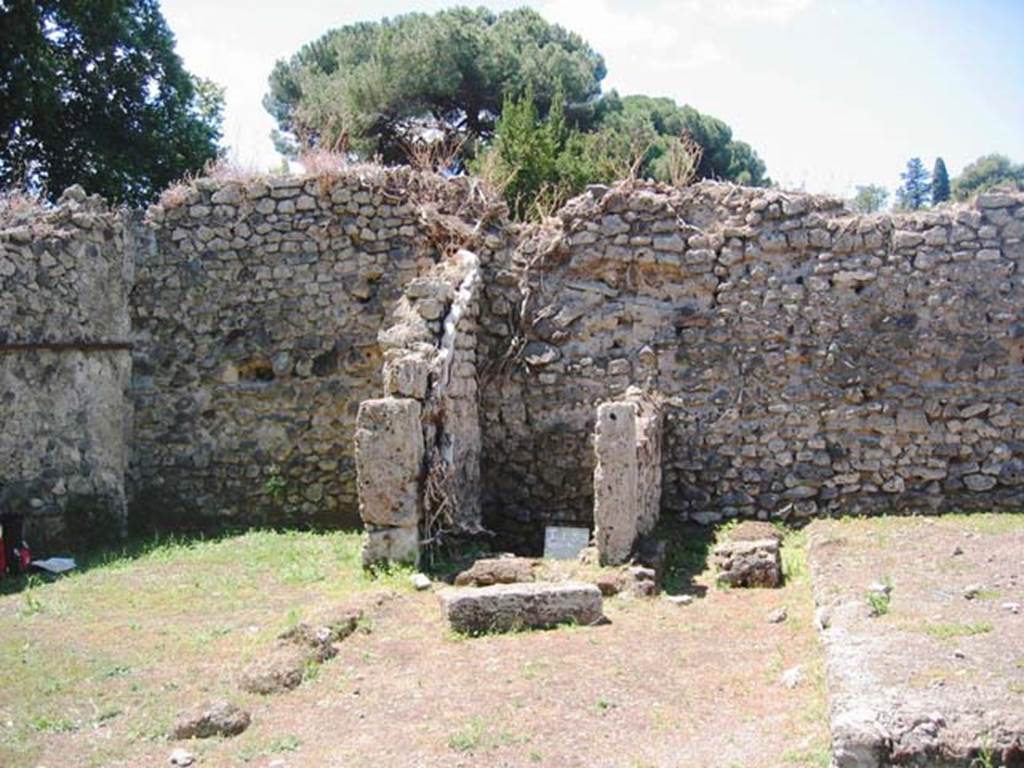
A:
(940, 182)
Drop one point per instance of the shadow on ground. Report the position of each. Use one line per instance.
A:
(132, 548)
(687, 548)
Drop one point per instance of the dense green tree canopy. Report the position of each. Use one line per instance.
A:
(986, 172)
(657, 122)
(539, 163)
(93, 93)
(370, 86)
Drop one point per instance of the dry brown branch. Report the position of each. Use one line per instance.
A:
(323, 162)
(438, 506)
(684, 157)
(437, 155)
(494, 179)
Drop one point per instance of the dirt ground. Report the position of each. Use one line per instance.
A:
(94, 668)
(933, 672)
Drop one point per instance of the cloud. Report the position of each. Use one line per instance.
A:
(762, 10)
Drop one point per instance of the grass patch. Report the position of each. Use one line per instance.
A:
(988, 594)
(819, 758)
(276, 747)
(794, 556)
(878, 603)
(90, 647)
(949, 630)
(477, 735)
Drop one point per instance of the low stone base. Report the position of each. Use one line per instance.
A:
(509, 607)
(391, 545)
(749, 563)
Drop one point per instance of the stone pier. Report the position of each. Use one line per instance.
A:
(627, 474)
(389, 468)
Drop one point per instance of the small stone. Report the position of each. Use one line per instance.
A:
(230, 194)
(181, 757)
(979, 483)
(420, 581)
(957, 550)
(609, 584)
(430, 309)
(1011, 607)
(973, 591)
(958, 654)
(778, 616)
(793, 677)
(679, 599)
(538, 353)
(878, 588)
(822, 618)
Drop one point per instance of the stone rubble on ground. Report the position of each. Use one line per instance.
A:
(298, 649)
(219, 718)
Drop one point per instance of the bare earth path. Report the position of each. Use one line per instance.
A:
(936, 678)
(94, 668)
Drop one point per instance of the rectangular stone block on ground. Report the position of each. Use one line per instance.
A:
(508, 607)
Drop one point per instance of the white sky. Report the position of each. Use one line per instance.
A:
(830, 93)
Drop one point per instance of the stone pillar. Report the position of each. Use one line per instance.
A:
(627, 473)
(616, 495)
(389, 468)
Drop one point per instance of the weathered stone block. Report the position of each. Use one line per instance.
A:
(407, 376)
(497, 570)
(507, 607)
(389, 461)
(616, 499)
(749, 563)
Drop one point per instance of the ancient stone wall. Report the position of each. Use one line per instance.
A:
(64, 371)
(255, 317)
(808, 361)
(812, 361)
